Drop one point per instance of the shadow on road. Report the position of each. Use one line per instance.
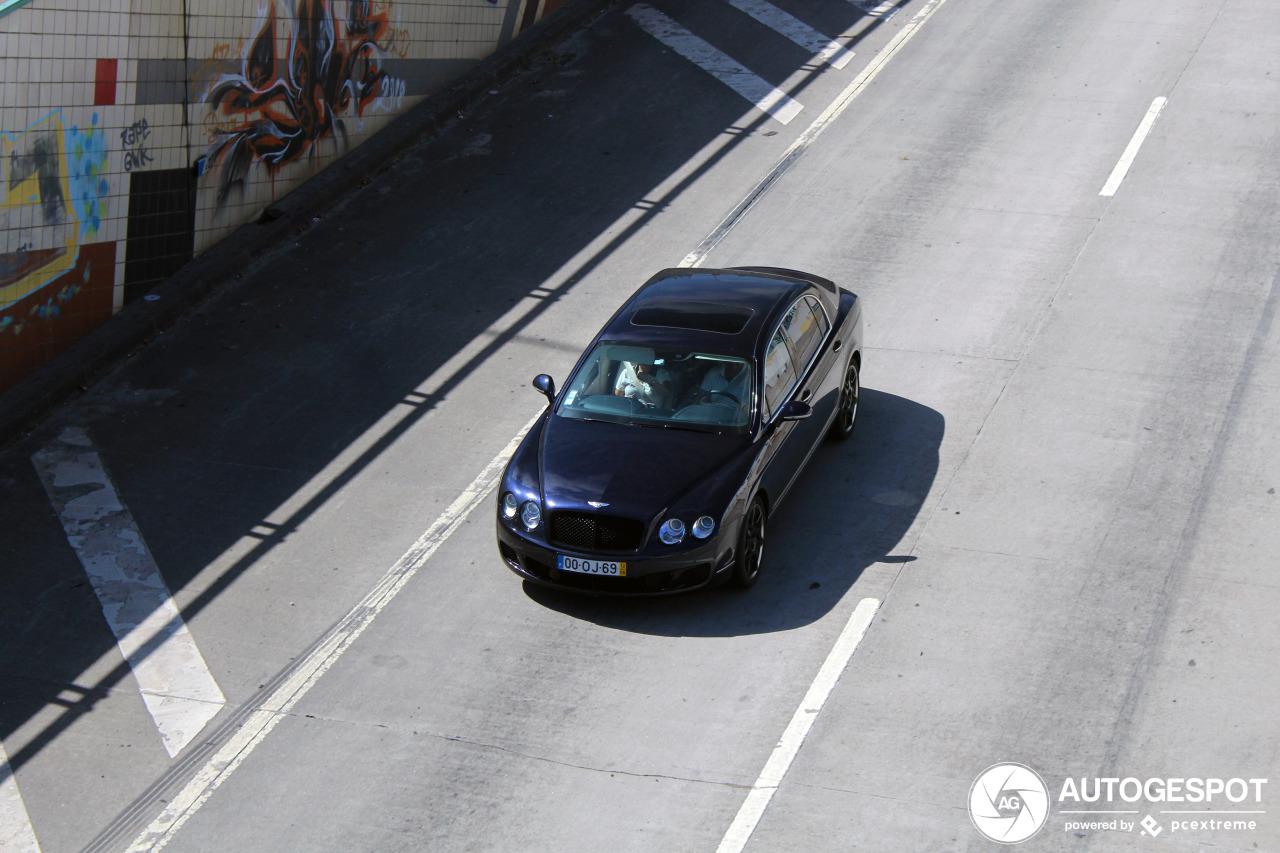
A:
(850, 509)
(213, 432)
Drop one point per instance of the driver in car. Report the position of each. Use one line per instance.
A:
(728, 377)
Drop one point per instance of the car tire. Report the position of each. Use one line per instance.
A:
(746, 568)
(847, 409)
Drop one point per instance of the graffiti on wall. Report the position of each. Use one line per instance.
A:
(52, 198)
(86, 160)
(209, 68)
(39, 327)
(398, 42)
(283, 104)
(133, 144)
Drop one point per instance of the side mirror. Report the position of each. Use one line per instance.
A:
(547, 386)
(796, 411)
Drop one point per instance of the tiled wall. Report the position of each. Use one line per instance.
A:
(134, 134)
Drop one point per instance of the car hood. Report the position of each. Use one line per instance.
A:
(637, 471)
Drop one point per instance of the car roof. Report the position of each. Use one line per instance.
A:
(718, 310)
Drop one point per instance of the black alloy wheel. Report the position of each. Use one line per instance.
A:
(847, 414)
(746, 571)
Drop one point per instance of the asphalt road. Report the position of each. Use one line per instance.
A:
(1060, 499)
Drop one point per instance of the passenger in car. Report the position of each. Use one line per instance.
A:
(647, 383)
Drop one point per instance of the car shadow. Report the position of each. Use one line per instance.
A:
(850, 509)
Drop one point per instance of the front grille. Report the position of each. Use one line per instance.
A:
(588, 531)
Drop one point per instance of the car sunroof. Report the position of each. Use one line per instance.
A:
(699, 316)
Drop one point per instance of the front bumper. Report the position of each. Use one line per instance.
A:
(682, 570)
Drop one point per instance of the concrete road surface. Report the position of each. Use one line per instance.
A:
(252, 600)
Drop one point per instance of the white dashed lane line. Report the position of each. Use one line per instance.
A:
(1131, 151)
(775, 769)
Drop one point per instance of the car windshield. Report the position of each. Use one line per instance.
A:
(660, 387)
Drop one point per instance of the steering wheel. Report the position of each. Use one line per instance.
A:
(736, 401)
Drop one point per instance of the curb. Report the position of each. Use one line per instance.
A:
(137, 324)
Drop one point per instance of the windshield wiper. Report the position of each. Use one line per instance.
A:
(589, 420)
(689, 428)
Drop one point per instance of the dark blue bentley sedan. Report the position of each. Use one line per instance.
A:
(681, 429)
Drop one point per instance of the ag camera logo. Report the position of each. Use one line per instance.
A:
(1009, 803)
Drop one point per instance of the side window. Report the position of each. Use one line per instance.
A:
(779, 373)
(803, 331)
(820, 314)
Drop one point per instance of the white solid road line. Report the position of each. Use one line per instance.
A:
(16, 834)
(177, 687)
(825, 50)
(812, 132)
(1131, 152)
(326, 653)
(715, 62)
(775, 769)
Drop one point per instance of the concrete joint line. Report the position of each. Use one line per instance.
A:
(633, 774)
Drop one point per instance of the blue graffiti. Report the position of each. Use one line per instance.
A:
(86, 160)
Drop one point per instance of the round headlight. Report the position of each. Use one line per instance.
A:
(531, 514)
(703, 527)
(510, 506)
(672, 531)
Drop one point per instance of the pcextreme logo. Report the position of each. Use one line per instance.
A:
(1010, 803)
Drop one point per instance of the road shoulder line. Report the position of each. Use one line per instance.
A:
(323, 656)
(811, 133)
